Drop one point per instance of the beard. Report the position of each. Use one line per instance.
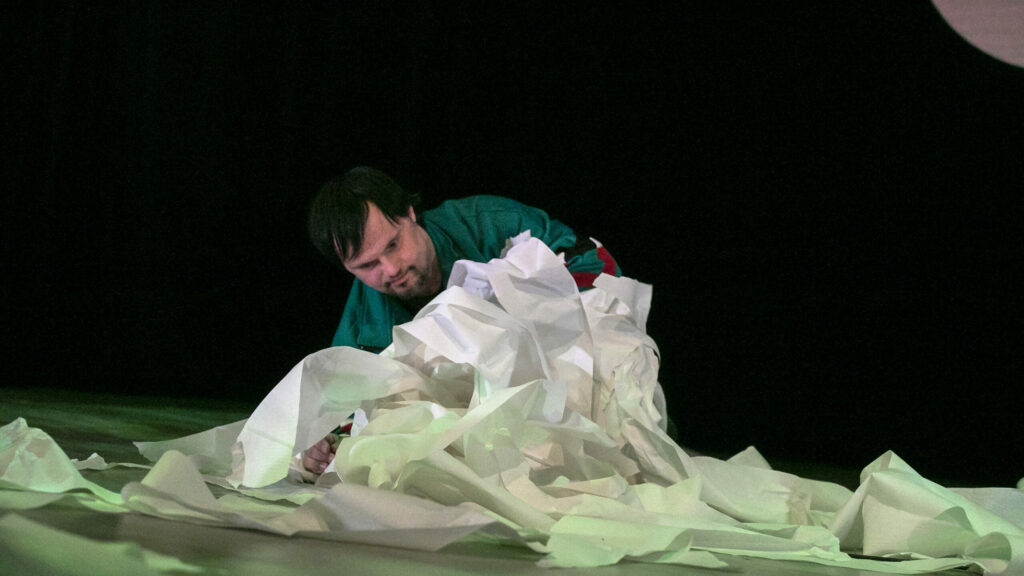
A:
(413, 286)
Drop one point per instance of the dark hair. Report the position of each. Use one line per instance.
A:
(338, 212)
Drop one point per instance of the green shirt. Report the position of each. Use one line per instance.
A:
(473, 228)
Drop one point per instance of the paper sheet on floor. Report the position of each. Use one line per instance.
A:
(514, 404)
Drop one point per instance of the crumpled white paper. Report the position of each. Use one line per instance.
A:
(30, 461)
(512, 401)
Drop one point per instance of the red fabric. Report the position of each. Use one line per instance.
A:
(586, 279)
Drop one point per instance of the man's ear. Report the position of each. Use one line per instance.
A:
(412, 214)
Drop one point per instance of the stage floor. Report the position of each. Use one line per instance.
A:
(83, 423)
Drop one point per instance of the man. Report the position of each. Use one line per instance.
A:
(366, 223)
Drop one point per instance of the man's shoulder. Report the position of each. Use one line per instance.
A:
(477, 203)
(481, 223)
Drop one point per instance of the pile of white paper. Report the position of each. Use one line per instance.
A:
(515, 407)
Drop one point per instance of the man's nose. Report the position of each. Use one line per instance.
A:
(389, 266)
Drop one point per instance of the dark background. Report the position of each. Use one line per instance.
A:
(825, 196)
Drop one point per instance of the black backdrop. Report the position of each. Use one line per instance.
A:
(826, 197)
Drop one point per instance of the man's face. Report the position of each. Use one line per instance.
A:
(396, 258)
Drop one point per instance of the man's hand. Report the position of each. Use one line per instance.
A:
(320, 454)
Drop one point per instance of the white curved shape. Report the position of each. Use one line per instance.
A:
(995, 27)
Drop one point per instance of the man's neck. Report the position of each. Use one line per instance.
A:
(414, 305)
